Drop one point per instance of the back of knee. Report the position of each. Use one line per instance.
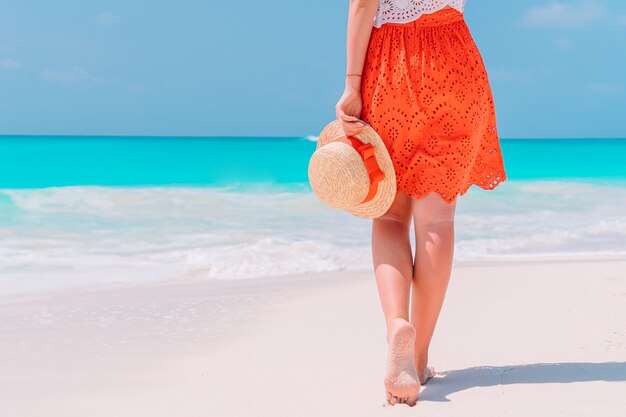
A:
(438, 219)
(403, 220)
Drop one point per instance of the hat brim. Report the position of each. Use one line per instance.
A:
(386, 192)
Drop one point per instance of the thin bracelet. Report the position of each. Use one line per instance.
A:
(358, 75)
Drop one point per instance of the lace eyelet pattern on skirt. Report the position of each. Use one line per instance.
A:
(426, 92)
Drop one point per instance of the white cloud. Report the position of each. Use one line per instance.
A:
(107, 19)
(73, 75)
(561, 14)
(77, 74)
(137, 88)
(563, 43)
(607, 89)
(10, 64)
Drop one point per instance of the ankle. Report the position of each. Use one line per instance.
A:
(421, 362)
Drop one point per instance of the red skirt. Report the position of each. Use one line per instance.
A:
(426, 92)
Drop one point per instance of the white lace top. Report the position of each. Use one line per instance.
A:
(409, 10)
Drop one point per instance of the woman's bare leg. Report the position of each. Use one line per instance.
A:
(393, 266)
(433, 220)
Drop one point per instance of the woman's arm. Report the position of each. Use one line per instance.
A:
(360, 22)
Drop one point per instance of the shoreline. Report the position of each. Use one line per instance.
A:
(314, 276)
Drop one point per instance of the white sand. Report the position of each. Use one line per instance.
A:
(519, 340)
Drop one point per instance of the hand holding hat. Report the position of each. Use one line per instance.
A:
(347, 109)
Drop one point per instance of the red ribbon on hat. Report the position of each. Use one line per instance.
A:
(366, 150)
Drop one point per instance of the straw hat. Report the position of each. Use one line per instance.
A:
(353, 173)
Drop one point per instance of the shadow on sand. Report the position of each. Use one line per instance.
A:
(449, 382)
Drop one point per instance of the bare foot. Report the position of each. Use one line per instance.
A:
(401, 381)
(426, 374)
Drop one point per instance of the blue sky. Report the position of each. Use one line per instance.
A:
(250, 68)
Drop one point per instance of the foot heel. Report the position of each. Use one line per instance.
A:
(403, 339)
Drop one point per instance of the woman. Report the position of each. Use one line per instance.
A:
(416, 76)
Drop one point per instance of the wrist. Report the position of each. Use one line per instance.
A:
(353, 83)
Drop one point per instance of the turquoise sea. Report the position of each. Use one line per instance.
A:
(47, 161)
(81, 212)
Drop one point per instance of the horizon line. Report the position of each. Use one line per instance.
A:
(306, 137)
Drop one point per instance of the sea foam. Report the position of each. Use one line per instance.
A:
(54, 239)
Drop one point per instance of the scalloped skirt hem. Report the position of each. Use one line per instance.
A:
(452, 198)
